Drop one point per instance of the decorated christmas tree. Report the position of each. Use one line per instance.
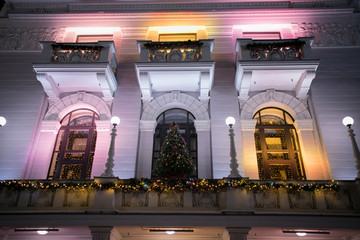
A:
(174, 159)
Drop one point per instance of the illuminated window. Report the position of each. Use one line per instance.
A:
(75, 146)
(177, 37)
(185, 122)
(93, 38)
(277, 146)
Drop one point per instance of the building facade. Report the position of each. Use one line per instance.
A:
(286, 71)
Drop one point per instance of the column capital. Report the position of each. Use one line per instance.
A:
(147, 125)
(248, 124)
(238, 233)
(100, 232)
(50, 126)
(304, 124)
(202, 125)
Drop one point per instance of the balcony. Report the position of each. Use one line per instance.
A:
(283, 65)
(180, 66)
(71, 67)
(200, 197)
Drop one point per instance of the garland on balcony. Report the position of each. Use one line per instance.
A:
(297, 44)
(171, 45)
(164, 185)
(59, 46)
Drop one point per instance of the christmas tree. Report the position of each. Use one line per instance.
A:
(174, 159)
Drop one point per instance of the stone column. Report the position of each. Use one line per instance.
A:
(102, 146)
(40, 161)
(238, 233)
(250, 159)
(146, 141)
(204, 149)
(315, 167)
(101, 232)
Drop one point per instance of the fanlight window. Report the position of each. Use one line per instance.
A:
(75, 146)
(185, 122)
(277, 146)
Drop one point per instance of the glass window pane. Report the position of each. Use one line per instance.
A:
(91, 159)
(77, 140)
(257, 140)
(260, 162)
(280, 172)
(175, 115)
(289, 119)
(272, 116)
(71, 171)
(59, 140)
(93, 141)
(275, 139)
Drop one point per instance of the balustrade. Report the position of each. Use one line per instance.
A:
(200, 197)
(188, 51)
(274, 50)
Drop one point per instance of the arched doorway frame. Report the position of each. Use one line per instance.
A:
(316, 167)
(175, 99)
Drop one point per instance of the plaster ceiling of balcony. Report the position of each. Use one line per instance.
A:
(211, 233)
(275, 79)
(175, 80)
(68, 82)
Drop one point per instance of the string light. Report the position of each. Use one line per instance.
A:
(164, 185)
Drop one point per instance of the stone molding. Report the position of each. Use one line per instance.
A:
(48, 8)
(248, 124)
(50, 126)
(168, 101)
(304, 124)
(102, 125)
(289, 103)
(147, 125)
(76, 101)
(202, 125)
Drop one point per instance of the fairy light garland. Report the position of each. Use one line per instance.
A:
(164, 185)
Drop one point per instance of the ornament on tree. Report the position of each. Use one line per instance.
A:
(174, 160)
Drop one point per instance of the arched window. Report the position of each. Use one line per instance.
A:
(75, 146)
(185, 122)
(277, 146)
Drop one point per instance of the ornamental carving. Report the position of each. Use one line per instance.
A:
(267, 199)
(280, 50)
(338, 200)
(330, 34)
(205, 199)
(25, 38)
(175, 55)
(75, 56)
(301, 200)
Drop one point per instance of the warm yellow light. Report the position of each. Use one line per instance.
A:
(177, 29)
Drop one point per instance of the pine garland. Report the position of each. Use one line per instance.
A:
(171, 45)
(165, 185)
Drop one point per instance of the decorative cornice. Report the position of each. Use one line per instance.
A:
(238, 13)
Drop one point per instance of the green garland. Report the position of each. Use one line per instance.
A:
(59, 46)
(164, 185)
(297, 44)
(171, 45)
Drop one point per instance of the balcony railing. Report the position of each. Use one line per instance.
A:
(100, 52)
(274, 50)
(200, 196)
(188, 51)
